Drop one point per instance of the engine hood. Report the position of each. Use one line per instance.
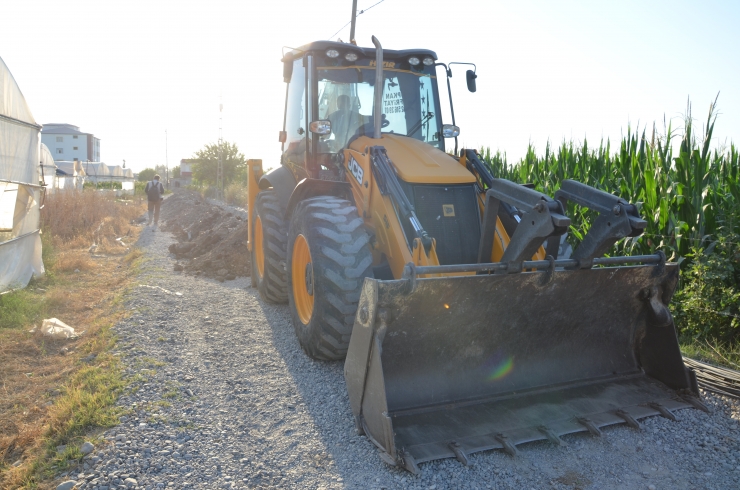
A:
(416, 161)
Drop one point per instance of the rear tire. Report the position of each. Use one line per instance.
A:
(324, 284)
(269, 248)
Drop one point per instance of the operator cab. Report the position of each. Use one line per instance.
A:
(341, 84)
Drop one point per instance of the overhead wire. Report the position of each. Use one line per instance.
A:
(358, 14)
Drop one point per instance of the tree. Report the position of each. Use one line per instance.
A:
(147, 174)
(206, 168)
(175, 171)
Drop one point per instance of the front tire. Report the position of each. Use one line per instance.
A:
(329, 258)
(269, 248)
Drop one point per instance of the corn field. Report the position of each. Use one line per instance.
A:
(687, 199)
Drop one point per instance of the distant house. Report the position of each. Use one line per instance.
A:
(67, 142)
(186, 173)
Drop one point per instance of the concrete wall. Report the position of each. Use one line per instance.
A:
(67, 144)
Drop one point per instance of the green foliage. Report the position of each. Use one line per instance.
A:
(102, 185)
(236, 194)
(146, 175)
(691, 202)
(708, 304)
(234, 162)
(683, 197)
(175, 172)
(20, 308)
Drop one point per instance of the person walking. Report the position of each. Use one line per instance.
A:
(154, 192)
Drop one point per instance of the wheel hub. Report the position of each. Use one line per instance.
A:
(303, 291)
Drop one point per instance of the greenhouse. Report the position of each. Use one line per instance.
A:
(20, 191)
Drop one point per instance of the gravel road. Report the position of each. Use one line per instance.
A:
(223, 397)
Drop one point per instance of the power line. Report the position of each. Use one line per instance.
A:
(358, 14)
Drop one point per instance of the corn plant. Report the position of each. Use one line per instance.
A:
(685, 199)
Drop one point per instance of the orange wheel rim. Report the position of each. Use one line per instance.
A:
(302, 278)
(259, 252)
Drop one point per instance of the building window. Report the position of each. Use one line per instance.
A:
(60, 139)
(74, 137)
(60, 151)
(74, 147)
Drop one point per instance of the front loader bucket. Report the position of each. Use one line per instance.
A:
(446, 366)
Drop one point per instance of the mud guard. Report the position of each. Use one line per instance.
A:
(282, 181)
(307, 188)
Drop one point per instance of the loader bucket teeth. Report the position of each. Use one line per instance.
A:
(456, 365)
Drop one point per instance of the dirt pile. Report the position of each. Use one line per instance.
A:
(210, 241)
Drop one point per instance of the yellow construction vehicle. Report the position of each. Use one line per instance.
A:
(462, 329)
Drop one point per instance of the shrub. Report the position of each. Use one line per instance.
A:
(102, 185)
(236, 194)
(708, 304)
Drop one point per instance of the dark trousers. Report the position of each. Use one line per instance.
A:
(153, 208)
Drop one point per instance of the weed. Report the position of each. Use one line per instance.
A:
(36, 370)
(20, 308)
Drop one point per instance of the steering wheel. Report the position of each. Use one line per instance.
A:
(368, 129)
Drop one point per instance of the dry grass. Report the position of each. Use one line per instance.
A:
(48, 394)
(73, 261)
(85, 219)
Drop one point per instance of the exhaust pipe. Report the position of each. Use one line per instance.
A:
(377, 114)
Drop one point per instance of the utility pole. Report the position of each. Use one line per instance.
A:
(354, 21)
(220, 171)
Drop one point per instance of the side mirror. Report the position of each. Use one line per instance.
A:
(283, 137)
(287, 70)
(321, 127)
(471, 76)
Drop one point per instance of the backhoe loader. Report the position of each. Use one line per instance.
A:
(440, 284)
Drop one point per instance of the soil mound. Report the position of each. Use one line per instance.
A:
(210, 241)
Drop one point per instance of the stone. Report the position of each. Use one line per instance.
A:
(67, 485)
(87, 448)
(130, 482)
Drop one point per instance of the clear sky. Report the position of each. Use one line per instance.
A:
(128, 71)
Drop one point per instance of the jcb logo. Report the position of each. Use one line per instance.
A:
(355, 169)
(448, 210)
(386, 64)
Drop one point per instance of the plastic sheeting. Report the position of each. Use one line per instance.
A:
(20, 259)
(69, 176)
(97, 171)
(48, 168)
(20, 241)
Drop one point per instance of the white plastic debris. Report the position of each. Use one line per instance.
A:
(53, 327)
